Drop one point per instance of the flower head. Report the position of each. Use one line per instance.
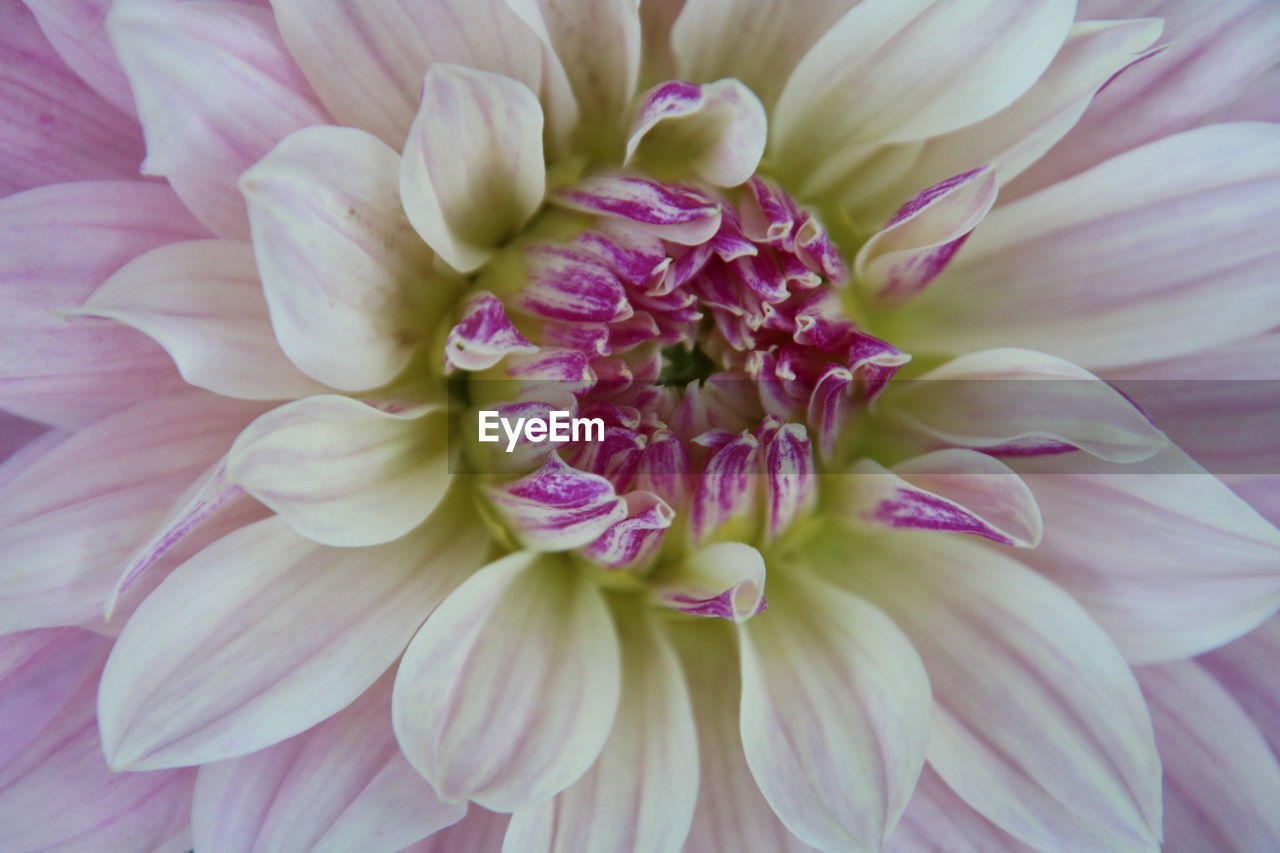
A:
(872, 538)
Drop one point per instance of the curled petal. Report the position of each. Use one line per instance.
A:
(558, 507)
(483, 336)
(507, 694)
(673, 213)
(633, 541)
(792, 485)
(717, 130)
(202, 302)
(466, 199)
(338, 259)
(342, 472)
(835, 715)
(570, 285)
(727, 491)
(952, 491)
(725, 580)
(215, 89)
(919, 241)
(188, 682)
(1024, 403)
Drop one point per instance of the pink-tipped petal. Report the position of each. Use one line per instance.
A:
(508, 693)
(216, 89)
(386, 47)
(340, 786)
(724, 580)
(1029, 693)
(342, 472)
(1157, 253)
(717, 131)
(59, 796)
(1167, 558)
(338, 259)
(949, 491)
(483, 336)
(76, 513)
(1221, 781)
(558, 507)
(674, 213)
(466, 200)
(57, 244)
(188, 682)
(1023, 403)
(919, 241)
(835, 714)
(640, 793)
(56, 128)
(202, 302)
(891, 71)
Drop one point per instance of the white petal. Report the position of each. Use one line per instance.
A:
(339, 261)
(340, 786)
(466, 199)
(1023, 403)
(640, 793)
(1157, 253)
(895, 70)
(1038, 721)
(215, 89)
(202, 302)
(188, 682)
(1167, 558)
(1221, 782)
(835, 714)
(342, 472)
(506, 695)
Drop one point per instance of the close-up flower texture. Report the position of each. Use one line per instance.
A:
(639, 426)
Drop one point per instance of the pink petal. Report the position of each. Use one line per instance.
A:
(938, 821)
(340, 786)
(466, 200)
(483, 336)
(632, 542)
(59, 795)
(835, 714)
(792, 482)
(507, 694)
(673, 213)
(342, 472)
(951, 491)
(718, 131)
(640, 793)
(1023, 403)
(1246, 668)
(77, 30)
(56, 128)
(387, 47)
(919, 241)
(728, 490)
(202, 302)
(1160, 252)
(731, 813)
(38, 672)
(338, 259)
(16, 433)
(57, 244)
(1215, 50)
(481, 831)
(571, 286)
(1038, 722)
(889, 72)
(1221, 782)
(1167, 558)
(558, 507)
(216, 89)
(76, 513)
(188, 682)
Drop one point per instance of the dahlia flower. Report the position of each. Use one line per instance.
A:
(926, 507)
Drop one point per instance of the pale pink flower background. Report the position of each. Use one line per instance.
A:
(245, 605)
